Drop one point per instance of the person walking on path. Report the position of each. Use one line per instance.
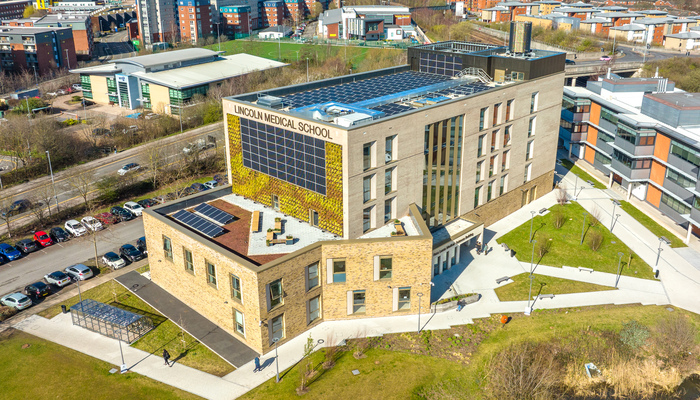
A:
(257, 364)
(166, 357)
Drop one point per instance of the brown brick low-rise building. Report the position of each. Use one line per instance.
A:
(36, 49)
(80, 24)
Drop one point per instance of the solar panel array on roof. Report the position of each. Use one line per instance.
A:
(464, 89)
(198, 223)
(213, 213)
(366, 89)
(392, 108)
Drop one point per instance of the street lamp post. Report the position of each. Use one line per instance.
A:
(529, 296)
(583, 227)
(615, 203)
(532, 218)
(619, 263)
(277, 365)
(53, 183)
(419, 297)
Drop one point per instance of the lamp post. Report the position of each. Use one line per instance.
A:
(658, 255)
(619, 263)
(615, 203)
(529, 296)
(307, 69)
(277, 365)
(583, 227)
(419, 297)
(67, 59)
(53, 183)
(532, 218)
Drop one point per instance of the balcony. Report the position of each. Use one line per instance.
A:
(28, 42)
(30, 49)
(628, 173)
(683, 165)
(633, 149)
(5, 49)
(695, 214)
(678, 190)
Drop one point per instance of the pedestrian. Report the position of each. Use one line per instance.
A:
(257, 364)
(166, 357)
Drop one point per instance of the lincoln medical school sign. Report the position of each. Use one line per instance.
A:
(285, 122)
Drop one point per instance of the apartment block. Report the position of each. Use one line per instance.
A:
(235, 20)
(364, 22)
(36, 49)
(80, 24)
(195, 20)
(13, 9)
(158, 21)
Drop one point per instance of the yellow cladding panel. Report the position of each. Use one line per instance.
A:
(160, 98)
(99, 89)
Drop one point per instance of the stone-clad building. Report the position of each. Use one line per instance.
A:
(348, 195)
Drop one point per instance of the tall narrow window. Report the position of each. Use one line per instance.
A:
(338, 271)
(503, 185)
(504, 160)
(240, 322)
(367, 156)
(528, 170)
(492, 165)
(388, 209)
(367, 188)
(367, 222)
(477, 196)
(494, 139)
(211, 273)
(496, 109)
(358, 301)
(277, 328)
(534, 98)
(314, 309)
(482, 118)
(236, 287)
(404, 299)
(489, 190)
(390, 149)
(389, 180)
(187, 256)
(529, 150)
(312, 276)
(275, 202)
(167, 248)
(479, 167)
(509, 110)
(275, 293)
(531, 127)
(480, 146)
(506, 135)
(313, 218)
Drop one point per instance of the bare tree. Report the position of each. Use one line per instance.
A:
(156, 160)
(82, 180)
(595, 216)
(561, 195)
(41, 202)
(5, 216)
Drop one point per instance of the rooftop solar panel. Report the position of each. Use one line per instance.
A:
(198, 223)
(213, 213)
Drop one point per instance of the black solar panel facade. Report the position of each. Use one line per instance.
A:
(283, 154)
(441, 64)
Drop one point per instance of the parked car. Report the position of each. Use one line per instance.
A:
(42, 238)
(122, 214)
(75, 228)
(16, 300)
(78, 272)
(199, 187)
(37, 290)
(92, 224)
(605, 58)
(211, 184)
(57, 278)
(9, 252)
(26, 246)
(112, 260)
(133, 207)
(101, 131)
(17, 207)
(128, 168)
(141, 245)
(187, 191)
(131, 253)
(146, 203)
(569, 62)
(59, 235)
(106, 218)
(77, 87)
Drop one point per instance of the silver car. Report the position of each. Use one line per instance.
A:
(16, 300)
(79, 272)
(57, 278)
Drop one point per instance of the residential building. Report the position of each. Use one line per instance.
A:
(36, 49)
(165, 82)
(683, 41)
(195, 20)
(80, 24)
(158, 21)
(235, 20)
(364, 22)
(275, 32)
(13, 9)
(642, 133)
(348, 195)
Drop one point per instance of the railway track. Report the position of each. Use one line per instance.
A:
(478, 36)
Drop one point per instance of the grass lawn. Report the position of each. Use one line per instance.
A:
(166, 334)
(585, 176)
(384, 374)
(565, 248)
(520, 287)
(45, 370)
(652, 225)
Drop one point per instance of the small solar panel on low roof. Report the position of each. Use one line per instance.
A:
(211, 212)
(198, 223)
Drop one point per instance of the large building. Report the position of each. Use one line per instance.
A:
(195, 20)
(81, 25)
(364, 22)
(13, 9)
(349, 194)
(643, 134)
(36, 49)
(158, 21)
(235, 20)
(164, 82)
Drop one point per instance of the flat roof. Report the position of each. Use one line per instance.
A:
(167, 57)
(194, 75)
(678, 100)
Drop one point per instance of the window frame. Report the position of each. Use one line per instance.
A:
(234, 290)
(344, 273)
(399, 308)
(167, 248)
(359, 308)
(187, 262)
(383, 269)
(211, 276)
(236, 324)
(311, 320)
(308, 268)
(276, 301)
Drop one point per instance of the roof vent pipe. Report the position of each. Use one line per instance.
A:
(656, 74)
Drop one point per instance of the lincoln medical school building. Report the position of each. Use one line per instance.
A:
(644, 135)
(348, 195)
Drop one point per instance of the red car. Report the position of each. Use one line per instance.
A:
(43, 238)
(107, 218)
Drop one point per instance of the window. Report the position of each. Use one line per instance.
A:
(236, 287)
(489, 190)
(187, 256)
(496, 108)
(313, 218)
(240, 322)
(529, 150)
(385, 267)
(509, 110)
(503, 185)
(338, 271)
(388, 209)
(679, 179)
(505, 159)
(404, 299)
(167, 248)
(389, 180)
(480, 146)
(477, 196)
(358, 302)
(367, 156)
(276, 328)
(685, 153)
(479, 167)
(312, 276)
(534, 98)
(275, 293)
(678, 206)
(367, 222)
(506, 135)
(390, 149)
(528, 171)
(314, 312)
(531, 127)
(494, 139)
(275, 202)
(211, 273)
(367, 188)
(492, 163)
(482, 118)
(647, 138)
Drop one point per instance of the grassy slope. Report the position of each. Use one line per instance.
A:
(46, 370)
(583, 175)
(519, 288)
(565, 248)
(652, 225)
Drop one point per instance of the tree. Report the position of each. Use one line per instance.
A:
(332, 5)
(317, 10)
(82, 180)
(41, 202)
(5, 204)
(155, 159)
(28, 11)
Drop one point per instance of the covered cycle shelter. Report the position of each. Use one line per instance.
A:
(110, 321)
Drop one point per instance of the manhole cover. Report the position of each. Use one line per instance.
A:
(356, 372)
(113, 370)
(670, 309)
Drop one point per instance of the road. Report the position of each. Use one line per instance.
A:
(17, 274)
(68, 196)
(113, 46)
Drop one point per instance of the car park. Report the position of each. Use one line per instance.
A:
(113, 260)
(26, 246)
(58, 278)
(77, 87)
(43, 238)
(92, 224)
(37, 290)
(106, 218)
(146, 203)
(75, 228)
(59, 235)
(16, 300)
(141, 245)
(131, 253)
(122, 214)
(9, 252)
(187, 191)
(211, 184)
(128, 168)
(133, 207)
(78, 272)
(17, 207)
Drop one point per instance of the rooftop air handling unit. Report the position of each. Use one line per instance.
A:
(520, 37)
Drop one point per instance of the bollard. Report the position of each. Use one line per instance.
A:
(64, 309)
